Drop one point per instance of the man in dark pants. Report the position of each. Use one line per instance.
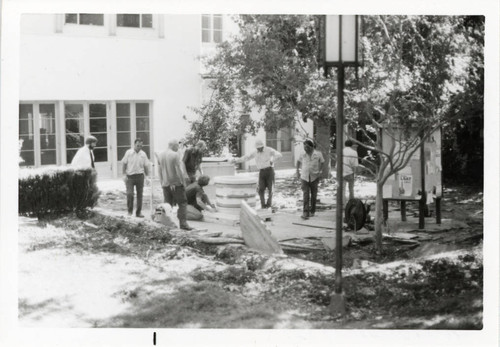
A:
(172, 180)
(135, 166)
(264, 160)
(309, 169)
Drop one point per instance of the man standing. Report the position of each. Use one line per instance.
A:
(84, 157)
(172, 181)
(135, 166)
(350, 164)
(192, 160)
(264, 159)
(197, 199)
(309, 169)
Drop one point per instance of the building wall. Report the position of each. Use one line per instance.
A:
(69, 62)
(86, 63)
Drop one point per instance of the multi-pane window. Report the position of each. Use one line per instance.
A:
(272, 139)
(134, 20)
(47, 128)
(74, 119)
(26, 135)
(84, 18)
(211, 28)
(142, 125)
(281, 140)
(123, 140)
(132, 122)
(98, 128)
(286, 139)
(37, 134)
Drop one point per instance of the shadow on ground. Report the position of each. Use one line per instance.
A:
(200, 305)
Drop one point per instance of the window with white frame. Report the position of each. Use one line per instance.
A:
(37, 134)
(134, 20)
(84, 18)
(211, 28)
(280, 140)
(132, 122)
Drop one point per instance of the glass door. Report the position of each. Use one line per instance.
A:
(282, 141)
(83, 119)
(98, 127)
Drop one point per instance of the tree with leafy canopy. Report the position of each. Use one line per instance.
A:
(270, 66)
(413, 68)
(463, 142)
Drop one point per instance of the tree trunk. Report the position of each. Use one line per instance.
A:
(323, 144)
(379, 217)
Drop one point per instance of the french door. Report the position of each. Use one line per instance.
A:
(37, 134)
(82, 119)
(282, 141)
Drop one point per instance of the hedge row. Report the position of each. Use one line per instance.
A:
(57, 190)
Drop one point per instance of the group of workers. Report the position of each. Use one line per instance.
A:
(182, 186)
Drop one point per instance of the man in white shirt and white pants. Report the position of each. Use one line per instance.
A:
(350, 164)
(264, 160)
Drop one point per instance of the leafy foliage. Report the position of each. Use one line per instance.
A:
(270, 67)
(56, 191)
(414, 67)
(463, 141)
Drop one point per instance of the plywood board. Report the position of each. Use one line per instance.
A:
(331, 242)
(255, 232)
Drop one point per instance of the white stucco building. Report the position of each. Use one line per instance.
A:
(117, 77)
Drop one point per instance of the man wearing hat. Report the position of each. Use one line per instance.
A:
(264, 160)
(309, 169)
(350, 164)
(84, 157)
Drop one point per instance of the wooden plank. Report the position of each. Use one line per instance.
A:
(317, 224)
(330, 243)
(296, 247)
(221, 218)
(219, 240)
(255, 232)
(403, 235)
(397, 239)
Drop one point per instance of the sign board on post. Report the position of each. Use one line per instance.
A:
(406, 183)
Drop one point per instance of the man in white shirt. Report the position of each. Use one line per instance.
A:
(84, 157)
(135, 167)
(264, 160)
(309, 169)
(351, 162)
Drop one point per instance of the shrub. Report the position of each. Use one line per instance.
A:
(56, 190)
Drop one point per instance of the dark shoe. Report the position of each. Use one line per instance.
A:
(311, 214)
(139, 215)
(186, 227)
(305, 215)
(129, 214)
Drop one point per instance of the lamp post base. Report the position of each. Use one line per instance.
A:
(337, 304)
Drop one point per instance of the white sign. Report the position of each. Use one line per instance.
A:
(405, 184)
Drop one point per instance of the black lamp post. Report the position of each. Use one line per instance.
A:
(342, 49)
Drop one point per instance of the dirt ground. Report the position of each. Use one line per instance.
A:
(109, 271)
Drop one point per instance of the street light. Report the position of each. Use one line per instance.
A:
(342, 49)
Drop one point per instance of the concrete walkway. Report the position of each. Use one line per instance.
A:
(286, 223)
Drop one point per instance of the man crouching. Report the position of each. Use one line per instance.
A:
(198, 200)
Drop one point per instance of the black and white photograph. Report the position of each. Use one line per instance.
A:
(217, 173)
